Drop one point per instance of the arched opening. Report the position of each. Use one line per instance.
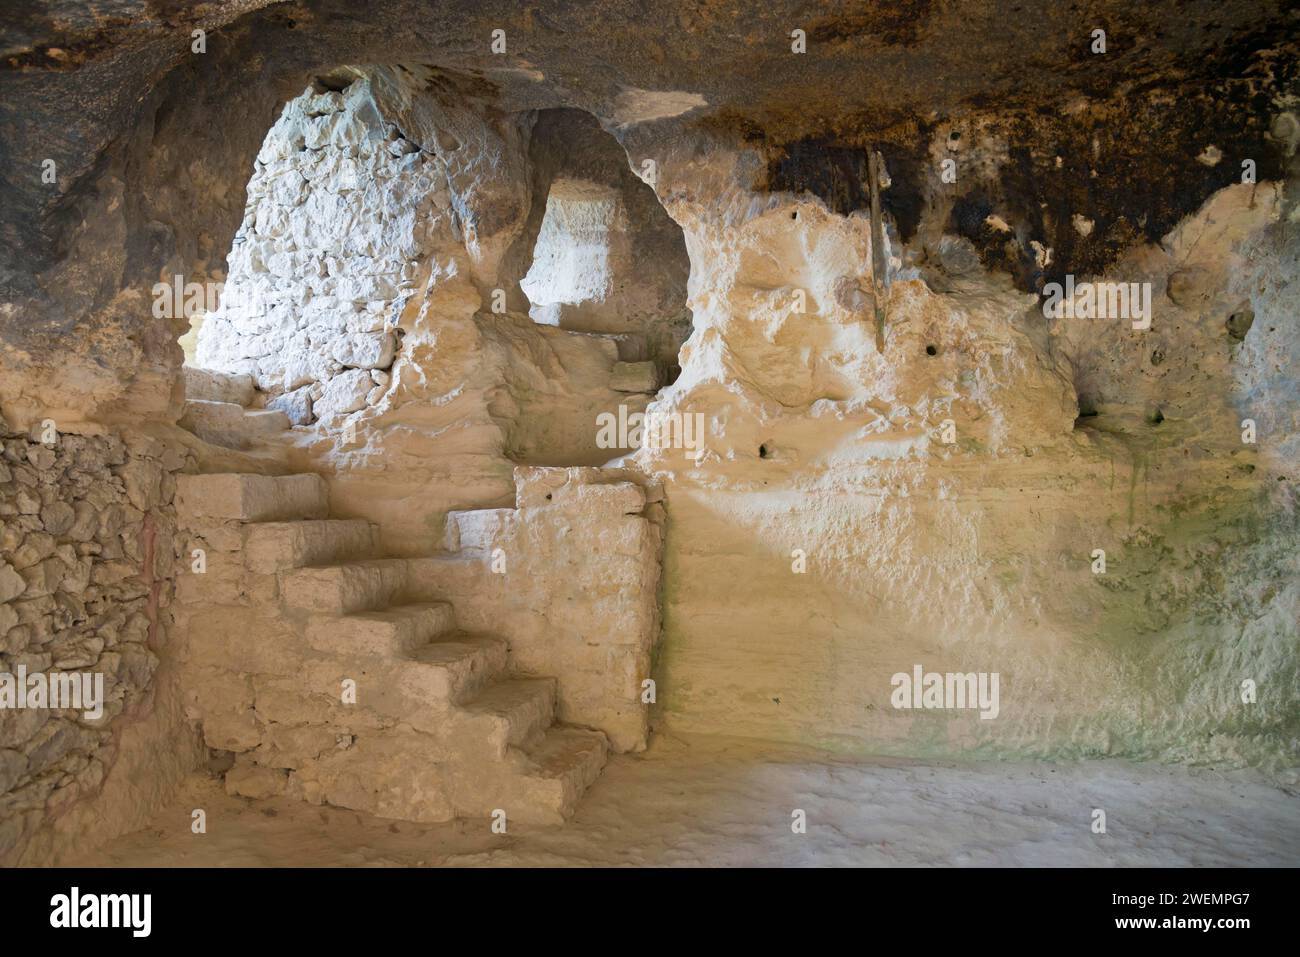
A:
(605, 257)
(373, 217)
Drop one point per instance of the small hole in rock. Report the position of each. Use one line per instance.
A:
(763, 451)
(795, 214)
(548, 496)
(1087, 410)
(931, 351)
(1156, 417)
(1239, 323)
(1157, 357)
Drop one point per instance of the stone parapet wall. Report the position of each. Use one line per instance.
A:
(570, 577)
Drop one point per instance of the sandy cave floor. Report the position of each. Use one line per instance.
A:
(713, 801)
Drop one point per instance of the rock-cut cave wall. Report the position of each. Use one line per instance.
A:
(904, 462)
(942, 502)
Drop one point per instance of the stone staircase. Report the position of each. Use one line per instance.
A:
(217, 410)
(320, 669)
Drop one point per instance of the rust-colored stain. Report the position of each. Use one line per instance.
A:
(149, 535)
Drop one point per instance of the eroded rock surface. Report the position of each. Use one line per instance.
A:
(883, 450)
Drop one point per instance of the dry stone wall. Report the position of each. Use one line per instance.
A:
(341, 213)
(87, 565)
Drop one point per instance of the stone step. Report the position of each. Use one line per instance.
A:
(232, 496)
(566, 750)
(347, 588)
(510, 713)
(423, 692)
(220, 423)
(394, 773)
(262, 422)
(271, 547)
(539, 784)
(468, 662)
(231, 425)
(565, 763)
(400, 773)
(392, 633)
(213, 386)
